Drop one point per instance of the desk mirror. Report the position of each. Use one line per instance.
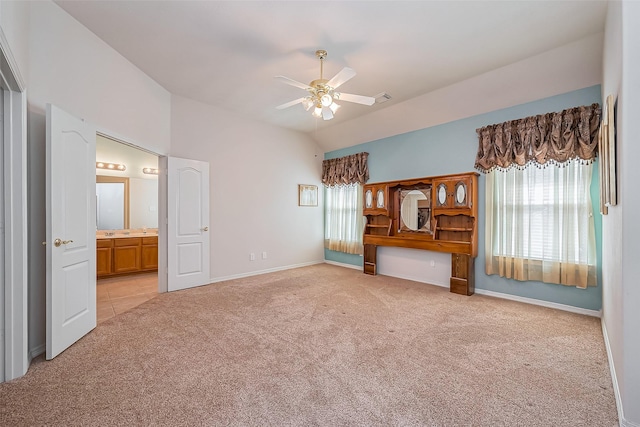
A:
(415, 209)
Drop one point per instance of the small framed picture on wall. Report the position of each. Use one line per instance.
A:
(307, 195)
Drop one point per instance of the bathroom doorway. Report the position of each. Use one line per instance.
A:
(127, 226)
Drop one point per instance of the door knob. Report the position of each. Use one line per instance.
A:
(59, 242)
(205, 229)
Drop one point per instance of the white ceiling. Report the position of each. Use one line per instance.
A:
(226, 53)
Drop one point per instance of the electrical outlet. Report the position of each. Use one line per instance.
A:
(433, 263)
(252, 257)
(264, 255)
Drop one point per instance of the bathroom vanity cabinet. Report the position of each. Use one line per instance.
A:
(125, 255)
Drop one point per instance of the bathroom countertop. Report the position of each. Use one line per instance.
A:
(124, 236)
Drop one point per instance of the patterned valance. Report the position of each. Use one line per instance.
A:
(552, 138)
(346, 170)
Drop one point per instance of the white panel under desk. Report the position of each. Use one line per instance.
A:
(414, 264)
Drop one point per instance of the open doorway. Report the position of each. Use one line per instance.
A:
(127, 226)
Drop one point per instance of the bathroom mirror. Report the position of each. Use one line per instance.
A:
(142, 186)
(415, 209)
(112, 203)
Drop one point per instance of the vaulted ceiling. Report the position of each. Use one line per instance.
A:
(226, 53)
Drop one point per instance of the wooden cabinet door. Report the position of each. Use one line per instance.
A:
(461, 193)
(368, 198)
(375, 199)
(149, 257)
(126, 259)
(452, 193)
(104, 257)
(103, 261)
(443, 193)
(382, 199)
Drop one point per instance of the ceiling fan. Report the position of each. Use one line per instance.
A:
(322, 92)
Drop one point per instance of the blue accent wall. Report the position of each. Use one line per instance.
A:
(451, 148)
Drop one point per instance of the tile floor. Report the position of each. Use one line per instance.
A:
(119, 294)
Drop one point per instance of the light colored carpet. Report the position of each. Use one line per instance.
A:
(323, 345)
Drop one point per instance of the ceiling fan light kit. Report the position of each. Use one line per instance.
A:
(322, 94)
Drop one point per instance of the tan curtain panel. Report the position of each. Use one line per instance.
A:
(346, 170)
(552, 138)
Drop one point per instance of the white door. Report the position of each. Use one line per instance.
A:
(187, 223)
(71, 229)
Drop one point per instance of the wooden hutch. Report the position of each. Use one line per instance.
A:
(438, 213)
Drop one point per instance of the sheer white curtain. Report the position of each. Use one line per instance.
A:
(343, 218)
(539, 224)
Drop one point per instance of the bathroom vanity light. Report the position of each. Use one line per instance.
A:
(150, 171)
(110, 166)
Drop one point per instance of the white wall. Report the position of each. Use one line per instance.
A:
(612, 315)
(14, 21)
(143, 206)
(255, 170)
(629, 132)
(71, 67)
(415, 264)
(620, 229)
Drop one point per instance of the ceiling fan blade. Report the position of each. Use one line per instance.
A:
(327, 114)
(342, 77)
(292, 82)
(289, 104)
(358, 99)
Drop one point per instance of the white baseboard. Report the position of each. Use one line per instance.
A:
(419, 280)
(614, 379)
(564, 307)
(341, 264)
(269, 270)
(37, 351)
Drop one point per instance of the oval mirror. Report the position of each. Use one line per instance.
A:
(415, 210)
(442, 194)
(380, 199)
(368, 199)
(461, 193)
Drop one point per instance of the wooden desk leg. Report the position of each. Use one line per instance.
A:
(462, 274)
(370, 259)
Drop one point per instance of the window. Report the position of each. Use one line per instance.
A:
(343, 218)
(539, 224)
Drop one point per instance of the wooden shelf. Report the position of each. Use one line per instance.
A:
(378, 225)
(416, 242)
(454, 228)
